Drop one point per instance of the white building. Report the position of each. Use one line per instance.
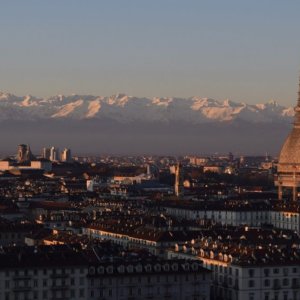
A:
(66, 155)
(244, 274)
(54, 154)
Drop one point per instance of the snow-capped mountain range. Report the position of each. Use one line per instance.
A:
(127, 109)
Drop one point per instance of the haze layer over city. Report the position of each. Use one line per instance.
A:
(166, 78)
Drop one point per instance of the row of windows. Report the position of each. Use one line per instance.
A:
(276, 282)
(277, 296)
(267, 272)
(148, 279)
(137, 291)
(57, 271)
(45, 294)
(45, 283)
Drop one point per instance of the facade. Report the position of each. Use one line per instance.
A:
(41, 164)
(62, 272)
(42, 273)
(255, 216)
(178, 280)
(179, 188)
(66, 155)
(46, 153)
(24, 153)
(233, 280)
(54, 154)
(247, 264)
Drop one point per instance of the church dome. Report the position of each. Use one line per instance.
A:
(289, 158)
(290, 152)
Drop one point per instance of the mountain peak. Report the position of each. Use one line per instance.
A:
(124, 108)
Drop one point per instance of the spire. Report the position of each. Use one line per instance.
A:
(297, 109)
(298, 104)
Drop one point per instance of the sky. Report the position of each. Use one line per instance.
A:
(240, 50)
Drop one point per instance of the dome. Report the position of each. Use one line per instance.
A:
(289, 158)
(290, 152)
(288, 169)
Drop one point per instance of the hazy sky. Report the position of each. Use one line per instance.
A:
(243, 50)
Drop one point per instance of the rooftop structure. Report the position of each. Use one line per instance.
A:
(289, 159)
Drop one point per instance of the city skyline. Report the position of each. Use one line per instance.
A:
(150, 150)
(242, 51)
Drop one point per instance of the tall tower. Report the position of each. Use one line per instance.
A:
(288, 170)
(66, 155)
(53, 154)
(21, 155)
(24, 153)
(179, 188)
(46, 153)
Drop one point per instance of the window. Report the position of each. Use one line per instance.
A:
(251, 272)
(285, 281)
(285, 296)
(276, 283)
(251, 296)
(251, 283)
(266, 272)
(276, 271)
(266, 296)
(267, 282)
(81, 293)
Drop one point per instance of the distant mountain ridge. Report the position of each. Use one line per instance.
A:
(121, 124)
(126, 109)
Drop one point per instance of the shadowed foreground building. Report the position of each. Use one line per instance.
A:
(68, 272)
